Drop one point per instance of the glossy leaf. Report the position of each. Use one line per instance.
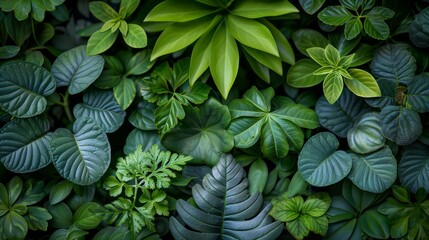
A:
(285, 49)
(125, 92)
(306, 38)
(200, 57)
(418, 29)
(113, 233)
(374, 224)
(173, 11)
(23, 88)
(258, 9)
(102, 107)
(60, 191)
(301, 75)
(374, 172)
(335, 15)
(102, 11)
(143, 117)
(333, 86)
(25, 144)
(366, 135)
(99, 42)
(362, 83)
(140, 63)
(76, 69)
(320, 163)
(400, 124)
(413, 168)
(83, 156)
(388, 94)
(87, 216)
(353, 28)
(311, 6)
(418, 94)
(136, 36)
(9, 51)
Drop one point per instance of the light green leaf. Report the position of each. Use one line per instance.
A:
(87, 216)
(129, 6)
(320, 163)
(362, 83)
(99, 42)
(102, 107)
(335, 15)
(300, 115)
(251, 33)
(25, 144)
(332, 55)
(333, 86)
(353, 28)
(258, 9)
(317, 225)
(224, 60)
(300, 75)
(272, 62)
(136, 36)
(125, 92)
(200, 57)
(297, 228)
(174, 11)
(23, 88)
(202, 133)
(177, 36)
(287, 209)
(81, 157)
(273, 142)
(315, 207)
(400, 124)
(319, 56)
(102, 11)
(77, 70)
(285, 49)
(8, 51)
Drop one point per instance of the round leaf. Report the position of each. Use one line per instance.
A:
(374, 172)
(86, 217)
(366, 135)
(81, 157)
(25, 144)
(102, 107)
(23, 88)
(319, 162)
(77, 70)
(400, 124)
(413, 168)
(374, 224)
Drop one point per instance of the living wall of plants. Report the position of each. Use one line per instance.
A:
(214, 119)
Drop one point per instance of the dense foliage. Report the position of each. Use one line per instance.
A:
(214, 119)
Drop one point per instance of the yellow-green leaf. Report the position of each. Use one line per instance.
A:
(362, 83)
(200, 57)
(259, 9)
(100, 42)
(333, 86)
(136, 36)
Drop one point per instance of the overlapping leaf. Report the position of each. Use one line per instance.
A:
(413, 168)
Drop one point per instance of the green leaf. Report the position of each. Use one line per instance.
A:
(62, 217)
(246, 131)
(251, 33)
(37, 218)
(177, 35)
(136, 36)
(333, 86)
(285, 49)
(413, 167)
(400, 124)
(9, 51)
(297, 185)
(319, 55)
(362, 83)
(18, 31)
(258, 176)
(223, 200)
(23, 88)
(202, 133)
(418, 94)
(125, 92)
(374, 224)
(376, 28)
(81, 157)
(60, 191)
(340, 116)
(102, 11)
(102, 107)
(143, 117)
(273, 142)
(331, 55)
(99, 42)
(359, 199)
(315, 207)
(394, 63)
(113, 233)
(300, 75)
(352, 28)
(362, 55)
(366, 135)
(311, 6)
(140, 63)
(87, 216)
(14, 188)
(317, 225)
(320, 163)
(145, 138)
(45, 33)
(25, 144)
(173, 11)
(297, 228)
(307, 38)
(272, 62)
(200, 57)
(351, 4)
(167, 115)
(298, 114)
(258, 9)
(287, 209)
(14, 226)
(129, 6)
(374, 172)
(418, 33)
(76, 69)
(335, 15)
(224, 60)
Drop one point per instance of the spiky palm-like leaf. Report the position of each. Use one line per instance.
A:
(225, 208)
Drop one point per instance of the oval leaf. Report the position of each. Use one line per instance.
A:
(60, 191)
(300, 75)
(99, 42)
(366, 135)
(414, 167)
(374, 224)
(362, 83)
(418, 29)
(81, 157)
(23, 88)
(86, 216)
(319, 162)
(400, 124)
(136, 36)
(145, 138)
(143, 117)
(77, 70)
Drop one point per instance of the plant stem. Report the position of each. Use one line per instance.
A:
(67, 107)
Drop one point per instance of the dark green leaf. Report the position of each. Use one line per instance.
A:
(62, 216)
(143, 117)
(351, 4)
(306, 38)
(311, 6)
(297, 185)
(388, 93)
(9, 51)
(363, 54)
(335, 15)
(374, 224)
(45, 33)
(140, 63)
(400, 124)
(145, 138)
(376, 28)
(60, 191)
(87, 216)
(413, 168)
(353, 28)
(359, 199)
(77, 70)
(14, 226)
(418, 94)
(258, 176)
(366, 135)
(167, 115)
(18, 31)
(418, 29)
(37, 218)
(113, 233)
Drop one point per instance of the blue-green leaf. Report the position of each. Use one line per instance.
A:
(413, 168)
(366, 135)
(418, 94)
(418, 30)
(145, 138)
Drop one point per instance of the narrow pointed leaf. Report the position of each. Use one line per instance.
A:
(174, 11)
(258, 9)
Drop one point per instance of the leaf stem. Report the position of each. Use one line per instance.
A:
(67, 106)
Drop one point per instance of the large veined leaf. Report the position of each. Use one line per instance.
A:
(394, 63)
(83, 156)
(413, 168)
(340, 116)
(400, 124)
(366, 135)
(224, 209)
(388, 94)
(76, 69)
(374, 172)
(23, 88)
(25, 144)
(320, 163)
(202, 133)
(419, 33)
(418, 94)
(102, 107)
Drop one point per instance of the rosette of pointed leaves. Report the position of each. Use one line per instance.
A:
(216, 27)
(256, 117)
(224, 209)
(329, 67)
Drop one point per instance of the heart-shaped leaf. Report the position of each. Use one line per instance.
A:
(25, 144)
(102, 107)
(23, 88)
(374, 172)
(413, 168)
(319, 162)
(83, 156)
(76, 69)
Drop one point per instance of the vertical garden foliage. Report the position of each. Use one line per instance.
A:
(214, 119)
